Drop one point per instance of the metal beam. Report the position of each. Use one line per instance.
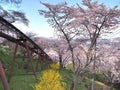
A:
(30, 59)
(3, 77)
(12, 63)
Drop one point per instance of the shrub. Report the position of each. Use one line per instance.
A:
(50, 80)
(55, 66)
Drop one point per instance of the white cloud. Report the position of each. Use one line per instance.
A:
(42, 32)
(21, 27)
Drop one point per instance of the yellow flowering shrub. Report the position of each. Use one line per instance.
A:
(50, 80)
(55, 66)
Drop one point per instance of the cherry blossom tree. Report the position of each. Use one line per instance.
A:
(58, 17)
(43, 42)
(62, 51)
(96, 19)
(13, 15)
(56, 49)
(31, 35)
(90, 22)
(11, 1)
(107, 56)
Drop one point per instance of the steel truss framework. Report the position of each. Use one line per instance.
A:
(11, 33)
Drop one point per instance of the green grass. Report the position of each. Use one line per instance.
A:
(26, 82)
(18, 82)
(22, 82)
(67, 77)
(82, 83)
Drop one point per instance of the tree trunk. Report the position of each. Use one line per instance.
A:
(111, 87)
(60, 61)
(73, 84)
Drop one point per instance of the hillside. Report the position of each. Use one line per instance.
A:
(25, 81)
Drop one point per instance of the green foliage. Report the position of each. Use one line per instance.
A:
(100, 77)
(67, 77)
(117, 85)
(5, 50)
(5, 57)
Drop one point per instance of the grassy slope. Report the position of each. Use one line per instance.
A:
(26, 82)
(20, 83)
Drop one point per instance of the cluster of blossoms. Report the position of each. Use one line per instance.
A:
(51, 79)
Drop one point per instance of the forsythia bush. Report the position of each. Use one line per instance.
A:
(55, 66)
(50, 80)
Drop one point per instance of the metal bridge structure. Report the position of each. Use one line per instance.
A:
(13, 34)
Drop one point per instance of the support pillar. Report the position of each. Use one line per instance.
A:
(3, 77)
(40, 61)
(30, 59)
(28, 64)
(12, 63)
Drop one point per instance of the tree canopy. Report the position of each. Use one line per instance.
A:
(13, 15)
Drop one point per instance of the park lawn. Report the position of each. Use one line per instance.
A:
(26, 82)
(21, 82)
